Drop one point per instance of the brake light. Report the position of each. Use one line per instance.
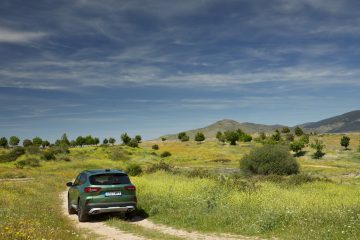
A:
(130, 188)
(92, 189)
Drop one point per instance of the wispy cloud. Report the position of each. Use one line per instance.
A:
(15, 36)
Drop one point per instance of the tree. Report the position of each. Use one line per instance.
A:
(163, 139)
(305, 139)
(290, 137)
(64, 141)
(185, 138)
(105, 141)
(297, 146)
(112, 141)
(231, 137)
(138, 138)
(96, 141)
(199, 137)
(89, 140)
(262, 136)
(125, 138)
(80, 141)
(27, 142)
(220, 137)
(133, 143)
(245, 137)
(3, 142)
(181, 135)
(298, 131)
(285, 130)
(14, 141)
(45, 143)
(276, 136)
(345, 141)
(318, 146)
(37, 141)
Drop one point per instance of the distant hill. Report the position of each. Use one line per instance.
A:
(347, 122)
(228, 125)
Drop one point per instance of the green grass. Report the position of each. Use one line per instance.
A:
(314, 210)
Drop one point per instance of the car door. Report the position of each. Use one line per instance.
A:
(74, 191)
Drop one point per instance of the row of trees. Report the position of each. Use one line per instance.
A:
(80, 141)
(233, 136)
(199, 137)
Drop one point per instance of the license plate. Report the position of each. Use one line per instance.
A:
(110, 194)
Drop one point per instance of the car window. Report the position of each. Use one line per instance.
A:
(76, 182)
(109, 179)
(82, 179)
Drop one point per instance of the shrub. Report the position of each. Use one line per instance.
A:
(298, 131)
(345, 141)
(118, 153)
(34, 149)
(155, 147)
(185, 138)
(197, 172)
(133, 143)
(48, 155)
(231, 137)
(12, 155)
(165, 154)
(161, 166)
(246, 137)
(296, 147)
(134, 170)
(285, 130)
(199, 137)
(163, 139)
(270, 159)
(31, 162)
(301, 178)
(318, 146)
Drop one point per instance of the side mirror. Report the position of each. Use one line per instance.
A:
(69, 184)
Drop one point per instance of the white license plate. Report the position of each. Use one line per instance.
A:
(110, 194)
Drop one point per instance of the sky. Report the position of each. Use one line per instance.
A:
(162, 66)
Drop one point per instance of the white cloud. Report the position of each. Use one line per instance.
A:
(13, 36)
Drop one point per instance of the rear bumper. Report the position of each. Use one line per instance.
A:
(110, 208)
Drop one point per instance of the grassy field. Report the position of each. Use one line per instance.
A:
(323, 205)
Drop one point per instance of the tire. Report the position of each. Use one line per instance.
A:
(71, 210)
(82, 215)
(130, 215)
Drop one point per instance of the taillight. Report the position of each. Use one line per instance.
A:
(92, 189)
(130, 188)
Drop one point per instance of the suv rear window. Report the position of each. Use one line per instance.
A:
(109, 179)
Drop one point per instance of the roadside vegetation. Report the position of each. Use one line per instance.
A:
(264, 186)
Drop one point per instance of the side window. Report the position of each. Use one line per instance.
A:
(77, 180)
(82, 179)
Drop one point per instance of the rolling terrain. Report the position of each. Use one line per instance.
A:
(347, 122)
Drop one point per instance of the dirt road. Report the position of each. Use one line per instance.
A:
(111, 233)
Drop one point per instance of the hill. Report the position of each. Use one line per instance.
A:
(347, 122)
(228, 125)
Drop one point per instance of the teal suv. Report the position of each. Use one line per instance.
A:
(101, 191)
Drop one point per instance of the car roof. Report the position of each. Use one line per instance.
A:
(101, 171)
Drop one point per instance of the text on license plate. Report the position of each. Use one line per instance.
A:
(109, 194)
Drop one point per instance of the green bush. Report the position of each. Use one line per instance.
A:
(301, 178)
(33, 149)
(161, 166)
(12, 155)
(155, 147)
(134, 169)
(49, 155)
(270, 159)
(133, 143)
(31, 162)
(165, 154)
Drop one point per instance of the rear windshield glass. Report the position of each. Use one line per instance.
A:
(109, 179)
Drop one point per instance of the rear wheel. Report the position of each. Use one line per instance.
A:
(82, 215)
(71, 210)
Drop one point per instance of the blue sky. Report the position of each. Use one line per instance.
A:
(157, 67)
